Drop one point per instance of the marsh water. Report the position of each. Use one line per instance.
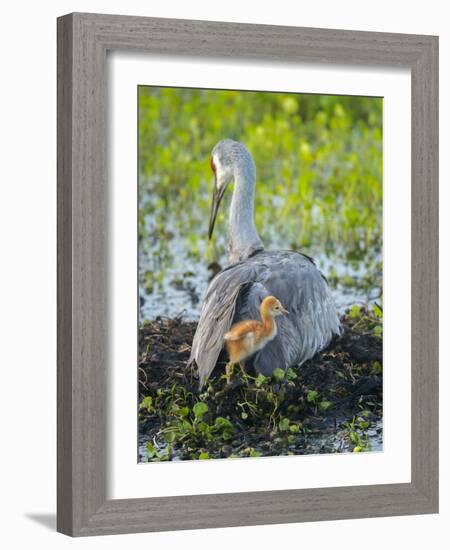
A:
(329, 440)
(174, 279)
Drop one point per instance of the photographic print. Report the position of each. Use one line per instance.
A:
(260, 323)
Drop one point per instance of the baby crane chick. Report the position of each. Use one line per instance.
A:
(247, 337)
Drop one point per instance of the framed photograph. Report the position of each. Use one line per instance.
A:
(247, 274)
(271, 312)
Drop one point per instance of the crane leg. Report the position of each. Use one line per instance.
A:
(242, 366)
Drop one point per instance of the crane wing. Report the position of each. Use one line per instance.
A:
(312, 321)
(217, 315)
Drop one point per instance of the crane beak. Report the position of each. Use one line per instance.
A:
(217, 197)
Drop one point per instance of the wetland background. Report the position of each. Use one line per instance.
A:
(319, 190)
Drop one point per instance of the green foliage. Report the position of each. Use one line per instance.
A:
(372, 321)
(260, 380)
(325, 405)
(291, 374)
(223, 427)
(284, 424)
(378, 330)
(319, 170)
(355, 312)
(278, 374)
(200, 409)
(356, 433)
(378, 311)
(377, 367)
(312, 396)
(147, 404)
(286, 413)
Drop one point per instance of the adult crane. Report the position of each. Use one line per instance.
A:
(236, 293)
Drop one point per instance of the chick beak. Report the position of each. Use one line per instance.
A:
(217, 197)
(284, 311)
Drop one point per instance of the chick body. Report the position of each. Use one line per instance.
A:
(248, 337)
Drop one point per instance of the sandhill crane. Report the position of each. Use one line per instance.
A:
(236, 293)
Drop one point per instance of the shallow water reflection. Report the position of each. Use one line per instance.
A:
(173, 281)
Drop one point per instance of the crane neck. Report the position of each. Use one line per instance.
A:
(244, 239)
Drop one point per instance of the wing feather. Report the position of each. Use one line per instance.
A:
(216, 316)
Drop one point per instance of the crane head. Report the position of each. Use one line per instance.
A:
(222, 168)
(224, 158)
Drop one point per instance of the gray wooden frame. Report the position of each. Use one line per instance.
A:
(83, 41)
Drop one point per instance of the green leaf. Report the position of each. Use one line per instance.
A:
(355, 312)
(186, 426)
(184, 411)
(291, 374)
(223, 423)
(376, 367)
(325, 405)
(253, 453)
(203, 456)
(147, 404)
(377, 310)
(151, 451)
(362, 423)
(259, 380)
(244, 415)
(278, 374)
(312, 396)
(170, 436)
(203, 427)
(284, 424)
(200, 409)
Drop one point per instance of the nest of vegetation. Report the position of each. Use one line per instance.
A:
(332, 403)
